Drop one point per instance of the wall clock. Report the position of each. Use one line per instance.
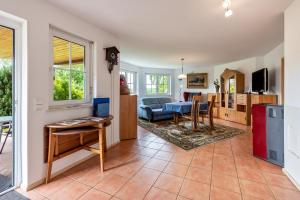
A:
(112, 57)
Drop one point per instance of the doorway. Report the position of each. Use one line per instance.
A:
(7, 63)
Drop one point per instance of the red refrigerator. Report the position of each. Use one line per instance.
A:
(259, 124)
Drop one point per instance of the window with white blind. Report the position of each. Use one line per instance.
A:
(158, 84)
(130, 79)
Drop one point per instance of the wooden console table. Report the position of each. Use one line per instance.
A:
(66, 137)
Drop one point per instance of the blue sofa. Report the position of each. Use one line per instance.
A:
(152, 108)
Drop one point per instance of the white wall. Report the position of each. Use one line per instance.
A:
(246, 66)
(40, 15)
(271, 60)
(292, 95)
(188, 70)
(141, 77)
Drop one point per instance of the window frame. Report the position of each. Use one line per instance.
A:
(54, 32)
(169, 93)
(134, 79)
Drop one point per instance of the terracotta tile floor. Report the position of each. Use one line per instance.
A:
(153, 169)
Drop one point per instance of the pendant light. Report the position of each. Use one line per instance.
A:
(226, 6)
(182, 75)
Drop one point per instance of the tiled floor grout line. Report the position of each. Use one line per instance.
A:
(211, 173)
(268, 185)
(131, 178)
(186, 173)
(150, 157)
(91, 187)
(169, 161)
(152, 169)
(34, 190)
(145, 157)
(100, 181)
(241, 193)
(152, 186)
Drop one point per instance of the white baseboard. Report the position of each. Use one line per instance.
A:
(42, 181)
(291, 178)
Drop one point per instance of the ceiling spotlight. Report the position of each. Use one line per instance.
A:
(228, 13)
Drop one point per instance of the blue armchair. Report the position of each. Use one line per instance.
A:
(152, 109)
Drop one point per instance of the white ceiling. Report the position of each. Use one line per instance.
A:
(157, 33)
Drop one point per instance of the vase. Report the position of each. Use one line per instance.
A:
(217, 89)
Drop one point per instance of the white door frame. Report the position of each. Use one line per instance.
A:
(20, 96)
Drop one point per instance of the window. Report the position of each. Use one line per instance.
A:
(70, 69)
(157, 84)
(131, 79)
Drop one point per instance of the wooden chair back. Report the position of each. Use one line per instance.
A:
(211, 112)
(195, 111)
(212, 104)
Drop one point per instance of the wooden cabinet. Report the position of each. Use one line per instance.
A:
(234, 105)
(222, 113)
(241, 117)
(258, 99)
(128, 117)
(241, 99)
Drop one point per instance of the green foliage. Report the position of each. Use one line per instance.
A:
(157, 84)
(5, 88)
(231, 85)
(62, 84)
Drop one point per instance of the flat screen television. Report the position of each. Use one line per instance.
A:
(260, 81)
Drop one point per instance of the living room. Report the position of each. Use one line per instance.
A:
(213, 107)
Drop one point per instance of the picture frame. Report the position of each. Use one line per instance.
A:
(197, 81)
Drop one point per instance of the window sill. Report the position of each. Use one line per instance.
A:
(69, 106)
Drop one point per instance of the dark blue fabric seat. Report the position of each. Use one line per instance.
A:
(152, 108)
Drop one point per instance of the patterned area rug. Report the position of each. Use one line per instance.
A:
(183, 136)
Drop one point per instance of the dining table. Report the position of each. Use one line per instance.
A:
(5, 121)
(181, 108)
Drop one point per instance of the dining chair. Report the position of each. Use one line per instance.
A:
(194, 116)
(8, 133)
(209, 113)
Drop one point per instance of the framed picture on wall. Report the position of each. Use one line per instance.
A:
(197, 81)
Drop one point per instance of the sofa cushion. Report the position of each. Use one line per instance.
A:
(161, 112)
(164, 100)
(155, 106)
(150, 101)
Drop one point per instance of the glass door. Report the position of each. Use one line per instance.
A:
(6, 108)
(231, 92)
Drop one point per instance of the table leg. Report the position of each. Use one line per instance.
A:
(176, 116)
(51, 149)
(101, 148)
(104, 139)
(194, 122)
(211, 122)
